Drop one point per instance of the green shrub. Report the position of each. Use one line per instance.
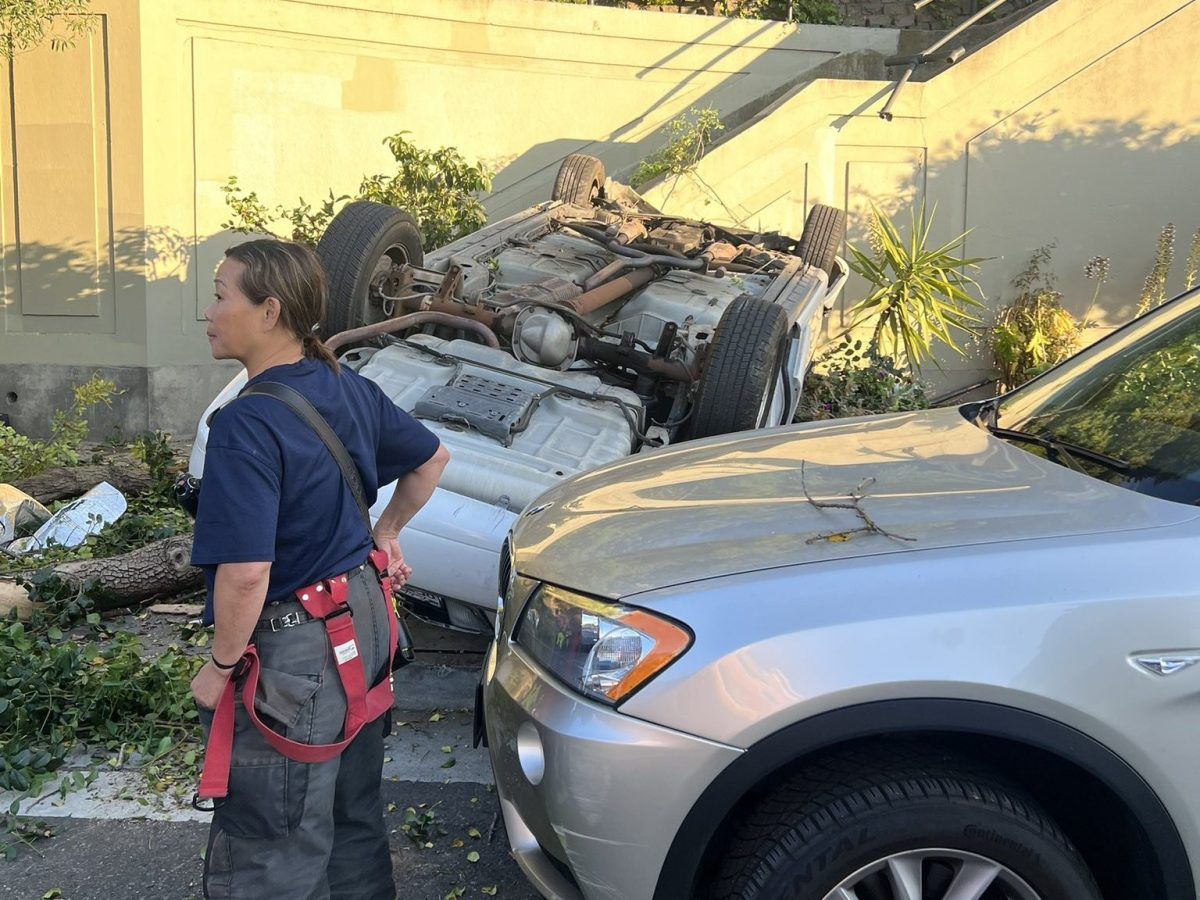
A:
(1154, 288)
(64, 680)
(850, 380)
(439, 188)
(918, 296)
(813, 12)
(1034, 332)
(153, 448)
(21, 456)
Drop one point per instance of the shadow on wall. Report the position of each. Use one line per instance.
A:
(112, 300)
(1105, 188)
(527, 177)
(68, 272)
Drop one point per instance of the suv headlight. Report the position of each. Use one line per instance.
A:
(604, 650)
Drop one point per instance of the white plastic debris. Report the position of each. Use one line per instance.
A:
(18, 509)
(70, 525)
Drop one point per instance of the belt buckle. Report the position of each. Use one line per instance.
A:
(287, 620)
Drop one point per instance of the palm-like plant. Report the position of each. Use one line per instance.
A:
(920, 296)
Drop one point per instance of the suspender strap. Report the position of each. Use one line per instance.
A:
(325, 601)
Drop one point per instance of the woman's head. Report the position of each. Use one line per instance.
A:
(269, 293)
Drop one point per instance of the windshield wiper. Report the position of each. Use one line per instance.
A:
(1066, 450)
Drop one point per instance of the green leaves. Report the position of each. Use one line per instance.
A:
(21, 456)
(818, 12)
(24, 24)
(66, 680)
(419, 826)
(918, 297)
(439, 188)
(849, 380)
(1034, 332)
(688, 136)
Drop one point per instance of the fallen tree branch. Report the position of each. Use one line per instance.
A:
(159, 569)
(64, 482)
(854, 504)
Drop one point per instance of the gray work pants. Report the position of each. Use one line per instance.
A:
(296, 830)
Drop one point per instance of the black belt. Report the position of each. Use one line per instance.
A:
(286, 620)
(296, 617)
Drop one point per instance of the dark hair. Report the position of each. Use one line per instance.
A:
(292, 274)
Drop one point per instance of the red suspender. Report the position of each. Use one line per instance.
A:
(326, 601)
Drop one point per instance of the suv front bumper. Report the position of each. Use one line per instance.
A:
(591, 798)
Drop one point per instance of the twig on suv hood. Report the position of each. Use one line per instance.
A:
(854, 505)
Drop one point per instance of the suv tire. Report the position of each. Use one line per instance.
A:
(580, 180)
(362, 242)
(742, 371)
(824, 231)
(835, 830)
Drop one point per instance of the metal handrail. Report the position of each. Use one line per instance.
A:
(929, 54)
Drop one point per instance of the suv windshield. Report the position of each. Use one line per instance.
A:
(1134, 398)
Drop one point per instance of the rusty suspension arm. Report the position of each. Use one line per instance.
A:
(411, 320)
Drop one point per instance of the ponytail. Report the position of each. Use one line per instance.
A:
(314, 348)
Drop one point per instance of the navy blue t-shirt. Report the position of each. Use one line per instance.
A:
(271, 491)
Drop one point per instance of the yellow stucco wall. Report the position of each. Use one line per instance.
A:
(1080, 126)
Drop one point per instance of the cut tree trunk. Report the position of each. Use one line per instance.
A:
(13, 596)
(159, 569)
(64, 482)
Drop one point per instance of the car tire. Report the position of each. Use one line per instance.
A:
(580, 180)
(745, 358)
(824, 231)
(836, 829)
(361, 243)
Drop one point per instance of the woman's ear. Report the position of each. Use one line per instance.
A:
(271, 308)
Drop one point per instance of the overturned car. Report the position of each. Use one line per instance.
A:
(567, 336)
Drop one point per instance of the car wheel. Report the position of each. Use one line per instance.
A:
(744, 371)
(824, 231)
(580, 180)
(358, 249)
(897, 829)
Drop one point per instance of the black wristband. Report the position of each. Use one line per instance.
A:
(221, 665)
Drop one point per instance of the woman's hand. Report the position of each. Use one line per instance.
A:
(208, 685)
(397, 568)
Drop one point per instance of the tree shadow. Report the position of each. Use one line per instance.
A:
(527, 177)
(1101, 187)
(114, 299)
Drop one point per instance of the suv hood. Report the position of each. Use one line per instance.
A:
(738, 503)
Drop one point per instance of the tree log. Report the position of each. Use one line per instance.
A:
(13, 596)
(159, 569)
(64, 482)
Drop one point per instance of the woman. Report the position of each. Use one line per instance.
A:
(275, 515)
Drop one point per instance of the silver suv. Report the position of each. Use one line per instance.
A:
(942, 655)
